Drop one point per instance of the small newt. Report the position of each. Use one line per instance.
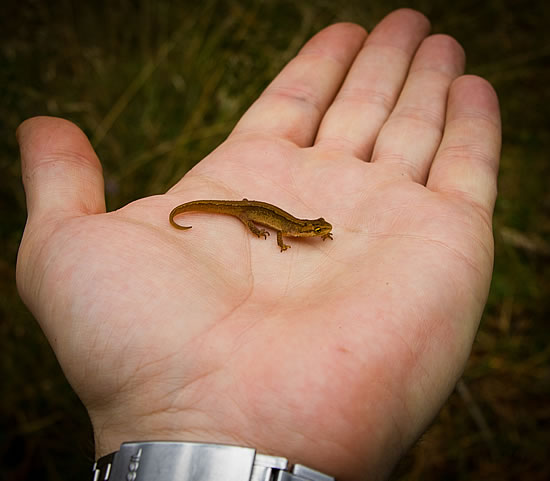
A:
(252, 212)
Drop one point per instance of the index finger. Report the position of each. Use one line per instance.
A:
(293, 104)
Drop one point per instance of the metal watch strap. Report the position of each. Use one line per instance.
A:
(183, 461)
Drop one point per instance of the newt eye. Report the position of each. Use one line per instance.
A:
(317, 230)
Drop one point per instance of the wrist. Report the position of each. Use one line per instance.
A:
(110, 433)
(109, 437)
(317, 445)
(166, 461)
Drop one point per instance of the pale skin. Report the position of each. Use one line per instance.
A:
(336, 354)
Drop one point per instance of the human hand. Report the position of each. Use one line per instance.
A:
(335, 354)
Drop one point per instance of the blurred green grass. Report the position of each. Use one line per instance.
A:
(158, 85)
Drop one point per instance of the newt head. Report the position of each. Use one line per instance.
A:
(315, 227)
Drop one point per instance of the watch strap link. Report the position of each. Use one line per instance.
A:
(183, 461)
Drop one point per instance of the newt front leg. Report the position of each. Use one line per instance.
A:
(280, 242)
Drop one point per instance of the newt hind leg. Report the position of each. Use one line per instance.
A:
(264, 233)
(254, 229)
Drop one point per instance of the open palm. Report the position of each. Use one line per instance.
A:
(335, 354)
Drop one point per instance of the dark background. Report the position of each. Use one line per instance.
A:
(157, 85)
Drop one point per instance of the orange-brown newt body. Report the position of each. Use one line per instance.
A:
(252, 212)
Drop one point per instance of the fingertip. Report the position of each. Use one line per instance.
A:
(349, 28)
(28, 124)
(480, 92)
(446, 54)
(411, 17)
(336, 41)
(60, 170)
(38, 135)
(449, 42)
(34, 125)
(403, 29)
(412, 13)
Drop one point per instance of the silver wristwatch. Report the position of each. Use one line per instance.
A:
(171, 461)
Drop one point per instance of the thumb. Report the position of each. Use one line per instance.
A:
(61, 173)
